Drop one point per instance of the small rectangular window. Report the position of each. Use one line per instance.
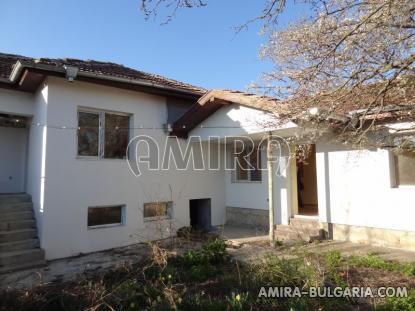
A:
(248, 168)
(156, 209)
(103, 134)
(88, 134)
(116, 136)
(405, 168)
(105, 215)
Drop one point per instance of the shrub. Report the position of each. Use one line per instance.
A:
(375, 262)
(400, 303)
(333, 259)
(278, 272)
(211, 253)
(215, 252)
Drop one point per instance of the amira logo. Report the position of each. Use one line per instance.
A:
(146, 153)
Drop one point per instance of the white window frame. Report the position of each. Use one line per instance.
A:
(234, 174)
(101, 131)
(393, 174)
(123, 213)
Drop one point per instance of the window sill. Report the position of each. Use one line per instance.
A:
(246, 182)
(105, 226)
(153, 219)
(84, 158)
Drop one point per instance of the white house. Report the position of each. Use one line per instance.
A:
(67, 187)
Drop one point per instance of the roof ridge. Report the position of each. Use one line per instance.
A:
(99, 67)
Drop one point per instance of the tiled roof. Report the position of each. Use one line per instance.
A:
(7, 62)
(401, 97)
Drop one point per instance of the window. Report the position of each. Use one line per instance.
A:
(105, 215)
(248, 168)
(103, 134)
(88, 134)
(157, 209)
(405, 168)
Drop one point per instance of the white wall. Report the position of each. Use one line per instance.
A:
(354, 188)
(255, 195)
(236, 120)
(241, 121)
(36, 156)
(73, 184)
(15, 102)
(13, 143)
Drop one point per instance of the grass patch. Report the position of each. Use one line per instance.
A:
(376, 262)
(400, 304)
(208, 279)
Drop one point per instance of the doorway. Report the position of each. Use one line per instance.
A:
(13, 151)
(307, 181)
(200, 214)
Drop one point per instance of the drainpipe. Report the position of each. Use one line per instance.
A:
(270, 190)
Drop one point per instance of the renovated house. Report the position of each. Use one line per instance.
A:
(67, 184)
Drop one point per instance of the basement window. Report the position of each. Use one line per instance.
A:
(404, 168)
(100, 216)
(248, 167)
(103, 134)
(156, 210)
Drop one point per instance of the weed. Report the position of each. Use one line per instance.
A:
(376, 262)
(400, 303)
(279, 243)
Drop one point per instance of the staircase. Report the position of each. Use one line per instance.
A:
(19, 243)
(304, 229)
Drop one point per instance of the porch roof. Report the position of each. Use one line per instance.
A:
(363, 103)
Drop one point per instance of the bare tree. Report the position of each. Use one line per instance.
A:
(152, 7)
(269, 13)
(345, 45)
(347, 55)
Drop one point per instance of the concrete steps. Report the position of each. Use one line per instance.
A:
(304, 229)
(17, 225)
(16, 216)
(16, 207)
(19, 243)
(22, 266)
(6, 199)
(17, 235)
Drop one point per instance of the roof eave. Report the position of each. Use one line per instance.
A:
(20, 66)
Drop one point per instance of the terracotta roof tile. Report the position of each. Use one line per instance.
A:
(7, 62)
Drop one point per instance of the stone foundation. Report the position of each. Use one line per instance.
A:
(373, 236)
(247, 217)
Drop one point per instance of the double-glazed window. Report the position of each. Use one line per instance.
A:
(105, 215)
(248, 165)
(404, 168)
(103, 134)
(157, 209)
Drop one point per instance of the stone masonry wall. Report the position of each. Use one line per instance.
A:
(246, 217)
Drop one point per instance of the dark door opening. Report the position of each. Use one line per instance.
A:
(200, 214)
(307, 181)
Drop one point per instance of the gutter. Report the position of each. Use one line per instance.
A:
(21, 65)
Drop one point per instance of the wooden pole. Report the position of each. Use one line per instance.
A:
(270, 190)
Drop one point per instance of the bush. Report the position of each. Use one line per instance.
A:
(278, 272)
(211, 253)
(202, 264)
(400, 303)
(375, 262)
(333, 259)
(215, 252)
